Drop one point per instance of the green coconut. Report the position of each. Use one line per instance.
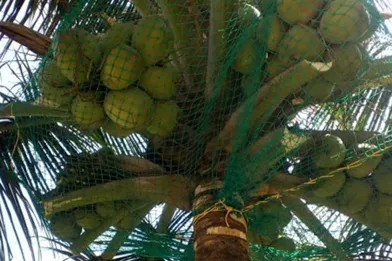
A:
(284, 243)
(57, 97)
(276, 210)
(87, 112)
(298, 11)
(89, 45)
(164, 119)
(70, 58)
(87, 219)
(246, 58)
(65, 227)
(106, 209)
(318, 90)
(370, 163)
(382, 177)
(302, 42)
(51, 76)
(347, 61)
(122, 67)
(247, 14)
(131, 108)
(379, 212)
(159, 82)
(330, 153)
(330, 186)
(341, 21)
(354, 195)
(268, 228)
(153, 39)
(117, 34)
(116, 130)
(271, 31)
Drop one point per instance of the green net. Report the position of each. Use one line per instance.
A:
(213, 130)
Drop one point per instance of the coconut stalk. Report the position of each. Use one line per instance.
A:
(90, 235)
(188, 43)
(164, 221)
(34, 41)
(265, 101)
(173, 189)
(133, 220)
(302, 211)
(20, 109)
(220, 11)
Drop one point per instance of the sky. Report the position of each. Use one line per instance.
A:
(7, 79)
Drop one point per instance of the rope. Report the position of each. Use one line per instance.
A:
(218, 207)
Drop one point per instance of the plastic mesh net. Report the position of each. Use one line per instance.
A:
(277, 109)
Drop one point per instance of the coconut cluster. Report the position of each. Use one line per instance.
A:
(68, 226)
(314, 30)
(120, 80)
(363, 189)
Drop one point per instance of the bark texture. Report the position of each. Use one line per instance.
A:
(219, 234)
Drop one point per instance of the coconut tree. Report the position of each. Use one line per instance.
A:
(240, 159)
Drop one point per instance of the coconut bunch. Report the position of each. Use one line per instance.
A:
(120, 80)
(80, 226)
(359, 183)
(314, 30)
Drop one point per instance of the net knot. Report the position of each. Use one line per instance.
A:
(219, 206)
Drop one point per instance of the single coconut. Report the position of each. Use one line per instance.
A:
(122, 67)
(51, 76)
(268, 228)
(87, 113)
(298, 11)
(341, 21)
(105, 209)
(246, 58)
(328, 187)
(117, 34)
(64, 227)
(318, 90)
(87, 219)
(330, 153)
(347, 61)
(131, 108)
(382, 177)
(89, 45)
(70, 58)
(153, 39)
(159, 82)
(271, 31)
(379, 212)
(116, 130)
(368, 166)
(57, 97)
(354, 195)
(164, 119)
(302, 42)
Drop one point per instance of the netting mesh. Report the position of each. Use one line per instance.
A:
(282, 107)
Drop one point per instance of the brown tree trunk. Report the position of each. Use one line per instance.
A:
(219, 235)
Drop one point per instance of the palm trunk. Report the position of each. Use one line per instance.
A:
(219, 235)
